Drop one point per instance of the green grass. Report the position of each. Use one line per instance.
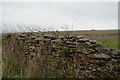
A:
(109, 43)
(96, 32)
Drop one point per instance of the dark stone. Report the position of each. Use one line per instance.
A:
(9, 35)
(92, 41)
(33, 37)
(22, 36)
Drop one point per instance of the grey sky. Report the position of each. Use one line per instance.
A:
(59, 0)
(82, 15)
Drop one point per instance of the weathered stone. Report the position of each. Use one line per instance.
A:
(102, 56)
(72, 40)
(61, 37)
(89, 68)
(56, 41)
(70, 43)
(33, 37)
(71, 37)
(99, 56)
(91, 56)
(55, 54)
(51, 37)
(22, 35)
(32, 47)
(71, 46)
(79, 37)
(92, 41)
(79, 51)
(82, 55)
(94, 69)
(39, 39)
(83, 40)
(89, 44)
(116, 52)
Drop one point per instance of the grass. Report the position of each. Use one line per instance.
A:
(101, 32)
(109, 43)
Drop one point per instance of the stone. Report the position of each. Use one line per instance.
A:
(82, 55)
(79, 51)
(56, 41)
(79, 37)
(83, 40)
(116, 52)
(92, 41)
(89, 44)
(89, 68)
(55, 54)
(70, 37)
(32, 47)
(72, 40)
(98, 56)
(22, 35)
(103, 56)
(39, 39)
(71, 46)
(33, 37)
(49, 37)
(61, 37)
(70, 43)
(93, 69)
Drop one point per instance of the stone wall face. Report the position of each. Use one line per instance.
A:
(34, 56)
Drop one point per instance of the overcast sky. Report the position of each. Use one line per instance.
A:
(80, 15)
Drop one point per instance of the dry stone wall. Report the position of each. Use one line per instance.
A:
(34, 56)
